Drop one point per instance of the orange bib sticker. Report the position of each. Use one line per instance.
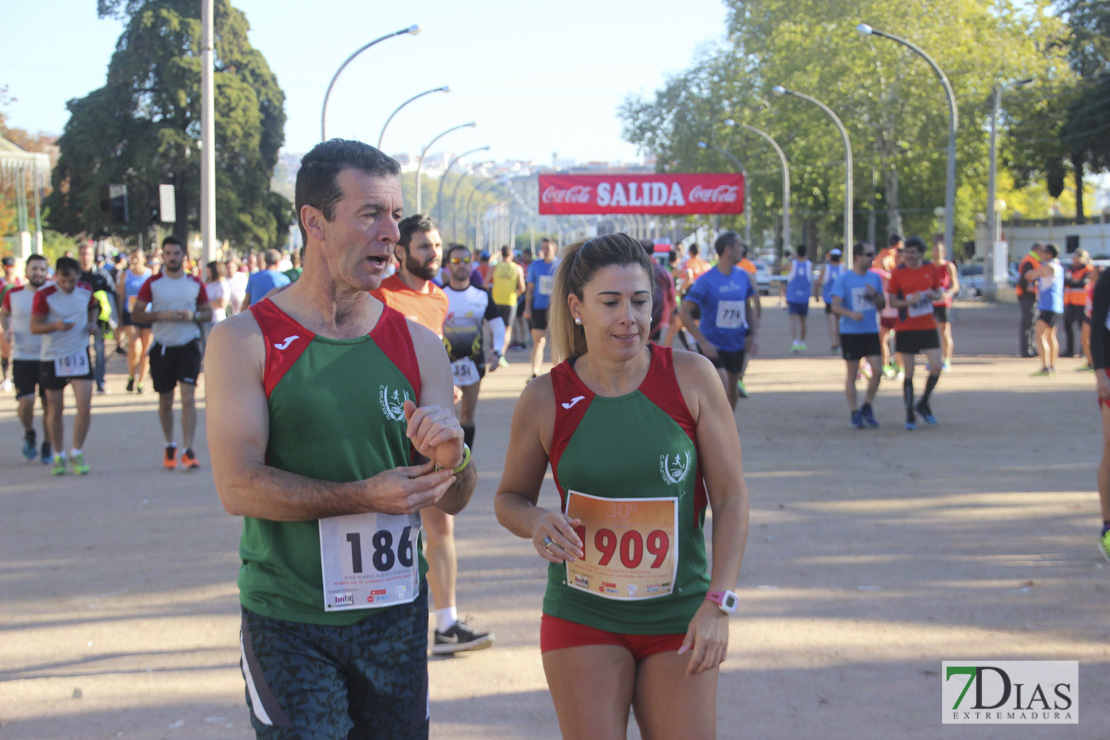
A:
(631, 546)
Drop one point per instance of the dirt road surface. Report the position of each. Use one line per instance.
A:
(873, 556)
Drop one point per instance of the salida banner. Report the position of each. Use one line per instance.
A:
(660, 194)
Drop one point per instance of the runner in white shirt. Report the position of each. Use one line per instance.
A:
(15, 317)
(177, 304)
(469, 310)
(64, 314)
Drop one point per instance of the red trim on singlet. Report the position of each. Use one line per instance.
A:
(286, 340)
(660, 386)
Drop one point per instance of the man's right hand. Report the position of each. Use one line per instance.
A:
(408, 489)
(708, 349)
(64, 326)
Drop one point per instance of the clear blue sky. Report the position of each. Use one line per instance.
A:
(538, 77)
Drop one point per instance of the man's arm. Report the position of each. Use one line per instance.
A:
(686, 311)
(433, 428)
(238, 432)
(528, 300)
(954, 279)
(519, 280)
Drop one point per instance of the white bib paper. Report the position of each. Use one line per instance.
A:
(464, 372)
(921, 307)
(72, 365)
(730, 314)
(546, 283)
(369, 560)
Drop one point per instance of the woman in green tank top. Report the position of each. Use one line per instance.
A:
(639, 440)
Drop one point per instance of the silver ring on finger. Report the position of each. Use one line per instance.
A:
(547, 542)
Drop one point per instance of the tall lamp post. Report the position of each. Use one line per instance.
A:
(747, 199)
(445, 88)
(454, 198)
(466, 209)
(780, 90)
(420, 162)
(953, 123)
(991, 276)
(413, 29)
(439, 190)
(785, 178)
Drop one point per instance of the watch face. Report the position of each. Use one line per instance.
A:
(730, 602)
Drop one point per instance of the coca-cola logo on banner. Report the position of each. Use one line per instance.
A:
(648, 194)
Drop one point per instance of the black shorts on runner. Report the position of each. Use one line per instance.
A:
(128, 322)
(731, 361)
(507, 313)
(1048, 317)
(51, 381)
(368, 680)
(912, 341)
(538, 321)
(172, 365)
(858, 346)
(941, 314)
(26, 374)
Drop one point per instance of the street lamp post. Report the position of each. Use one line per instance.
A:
(785, 178)
(953, 123)
(780, 90)
(445, 88)
(747, 198)
(413, 29)
(991, 277)
(420, 162)
(439, 190)
(466, 208)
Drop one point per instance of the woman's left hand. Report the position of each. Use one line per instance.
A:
(706, 639)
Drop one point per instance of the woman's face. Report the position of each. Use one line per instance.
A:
(136, 261)
(615, 310)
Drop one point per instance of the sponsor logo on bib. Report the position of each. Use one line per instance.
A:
(393, 402)
(675, 469)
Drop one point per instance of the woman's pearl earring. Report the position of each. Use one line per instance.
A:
(578, 321)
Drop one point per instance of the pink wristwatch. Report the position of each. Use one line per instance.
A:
(726, 601)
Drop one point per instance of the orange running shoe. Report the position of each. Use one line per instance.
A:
(169, 461)
(189, 459)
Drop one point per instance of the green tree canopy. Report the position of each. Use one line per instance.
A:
(142, 128)
(888, 98)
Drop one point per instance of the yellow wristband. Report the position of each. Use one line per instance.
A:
(462, 466)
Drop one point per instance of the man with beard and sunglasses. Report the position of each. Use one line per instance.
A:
(15, 317)
(176, 304)
(410, 291)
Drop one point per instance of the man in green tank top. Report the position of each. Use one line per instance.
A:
(330, 425)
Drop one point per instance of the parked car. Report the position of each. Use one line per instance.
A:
(762, 278)
(971, 280)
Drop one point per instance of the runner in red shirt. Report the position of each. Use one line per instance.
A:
(914, 285)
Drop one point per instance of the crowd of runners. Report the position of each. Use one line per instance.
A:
(342, 384)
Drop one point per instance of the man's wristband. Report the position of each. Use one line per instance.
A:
(462, 466)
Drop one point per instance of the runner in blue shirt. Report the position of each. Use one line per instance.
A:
(799, 288)
(834, 268)
(729, 323)
(857, 298)
(537, 299)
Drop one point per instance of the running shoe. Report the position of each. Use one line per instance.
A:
(47, 454)
(865, 369)
(911, 421)
(926, 413)
(868, 415)
(1085, 369)
(890, 372)
(801, 346)
(59, 466)
(101, 391)
(1104, 544)
(139, 388)
(834, 350)
(857, 420)
(945, 366)
(502, 362)
(30, 449)
(901, 374)
(740, 389)
(78, 463)
(169, 461)
(6, 385)
(796, 347)
(1044, 372)
(189, 459)
(459, 639)
(131, 384)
